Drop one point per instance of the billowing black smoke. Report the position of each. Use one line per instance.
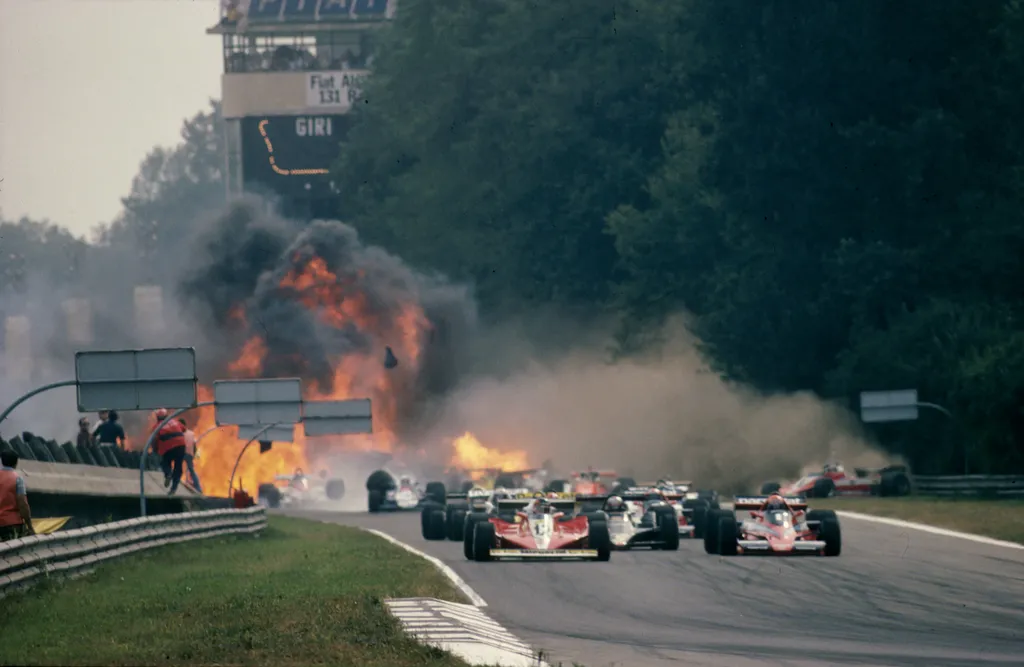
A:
(317, 297)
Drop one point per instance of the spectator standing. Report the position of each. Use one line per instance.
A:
(170, 445)
(190, 456)
(15, 515)
(110, 433)
(84, 436)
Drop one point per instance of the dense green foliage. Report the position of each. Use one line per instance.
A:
(831, 189)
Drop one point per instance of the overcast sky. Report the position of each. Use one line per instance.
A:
(87, 88)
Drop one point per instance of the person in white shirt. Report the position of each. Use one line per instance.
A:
(191, 455)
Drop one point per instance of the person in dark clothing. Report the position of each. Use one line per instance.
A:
(84, 436)
(110, 433)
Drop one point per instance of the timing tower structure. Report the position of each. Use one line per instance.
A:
(292, 72)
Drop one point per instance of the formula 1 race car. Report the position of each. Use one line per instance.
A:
(835, 480)
(439, 522)
(776, 525)
(387, 491)
(691, 512)
(686, 490)
(539, 528)
(593, 483)
(641, 518)
(298, 489)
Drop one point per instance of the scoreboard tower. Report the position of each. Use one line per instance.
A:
(292, 72)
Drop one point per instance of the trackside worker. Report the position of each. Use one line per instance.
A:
(15, 516)
(170, 445)
(110, 433)
(190, 455)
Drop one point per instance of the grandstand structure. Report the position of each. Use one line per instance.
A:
(292, 73)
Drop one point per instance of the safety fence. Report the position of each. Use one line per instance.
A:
(981, 486)
(27, 560)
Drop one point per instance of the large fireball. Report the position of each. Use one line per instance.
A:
(320, 306)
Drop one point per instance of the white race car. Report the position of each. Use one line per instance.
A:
(300, 489)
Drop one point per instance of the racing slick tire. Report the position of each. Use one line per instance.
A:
(711, 531)
(894, 484)
(455, 522)
(698, 515)
(483, 540)
(432, 522)
(269, 494)
(599, 538)
(435, 491)
(710, 497)
(374, 500)
(727, 542)
(828, 530)
(823, 488)
(468, 530)
(668, 526)
(769, 488)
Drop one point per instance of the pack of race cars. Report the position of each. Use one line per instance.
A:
(526, 524)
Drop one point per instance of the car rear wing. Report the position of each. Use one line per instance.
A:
(561, 504)
(755, 502)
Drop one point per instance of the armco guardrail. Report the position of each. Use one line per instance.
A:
(24, 561)
(986, 486)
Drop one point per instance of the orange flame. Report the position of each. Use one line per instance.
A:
(336, 302)
(470, 453)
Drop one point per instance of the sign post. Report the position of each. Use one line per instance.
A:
(888, 406)
(265, 402)
(129, 380)
(337, 417)
(267, 409)
(901, 405)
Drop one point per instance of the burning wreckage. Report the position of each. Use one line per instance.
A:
(311, 301)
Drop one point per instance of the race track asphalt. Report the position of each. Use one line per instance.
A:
(895, 597)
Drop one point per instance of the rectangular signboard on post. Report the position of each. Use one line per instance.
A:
(272, 434)
(136, 379)
(258, 402)
(888, 406)
(337, 417)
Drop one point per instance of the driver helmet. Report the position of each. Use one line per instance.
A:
(543, 506)
(615, 504)
(775, 502)
(653, 495)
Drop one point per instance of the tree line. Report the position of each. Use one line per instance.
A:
(831, 191)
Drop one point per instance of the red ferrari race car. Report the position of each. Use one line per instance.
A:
(595, 482)
(776, 525)
(835, 480)
(537, 528)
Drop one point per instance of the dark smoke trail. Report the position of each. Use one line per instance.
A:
(318, 298)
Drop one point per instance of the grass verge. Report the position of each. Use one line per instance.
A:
(301, 593)
(999, 519)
